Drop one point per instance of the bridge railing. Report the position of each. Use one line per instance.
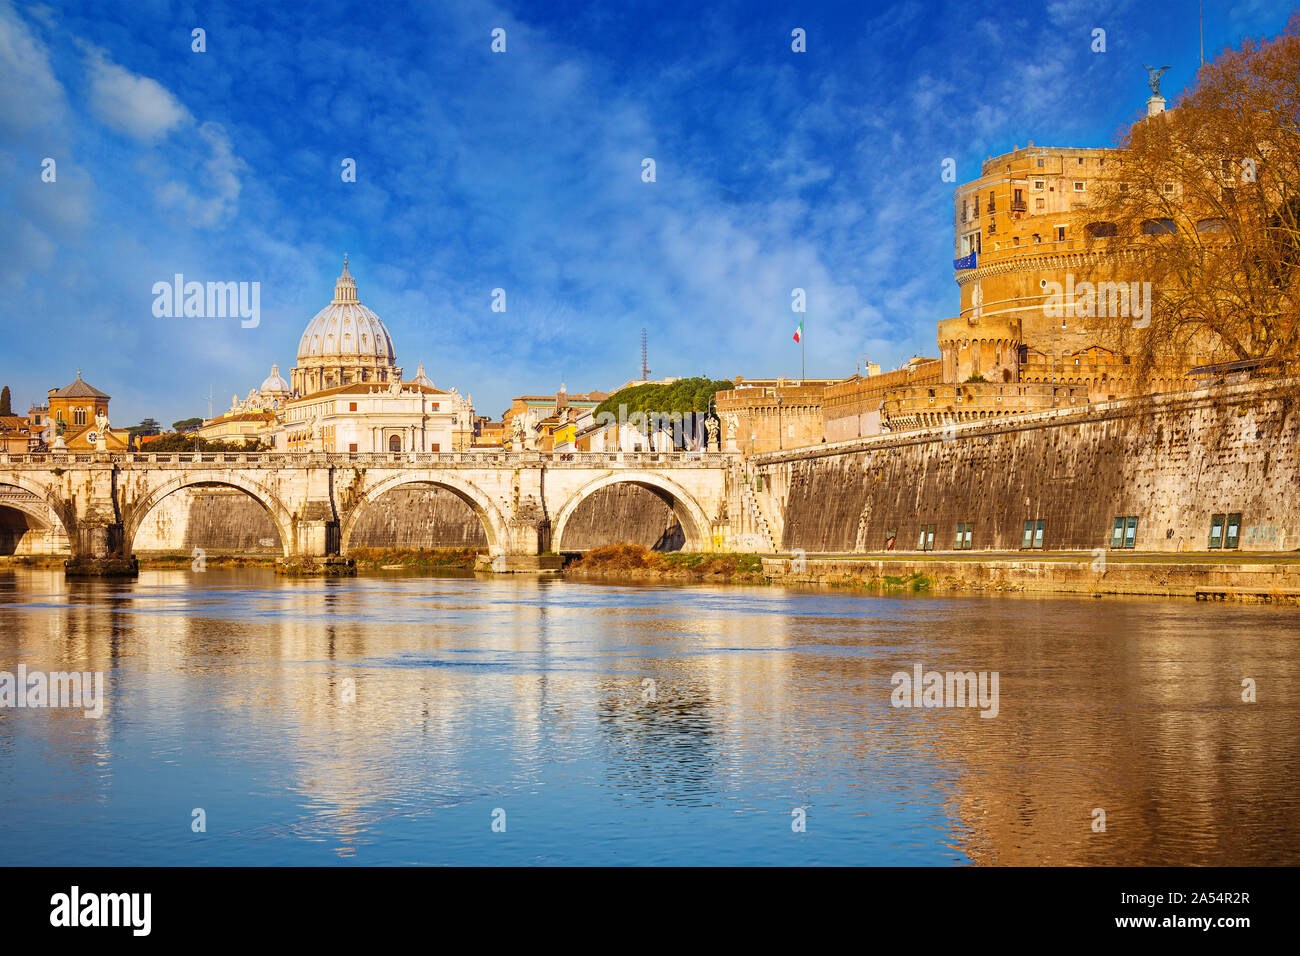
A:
(470, 459)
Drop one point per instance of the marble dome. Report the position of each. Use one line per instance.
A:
(274, 383)
(345, 330)
(344, 344)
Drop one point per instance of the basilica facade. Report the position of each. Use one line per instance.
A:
(346, 392)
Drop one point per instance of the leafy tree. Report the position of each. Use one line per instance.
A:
(149, 426)
(683, 396)
(180, 442)
(5, 407)
(187, 424)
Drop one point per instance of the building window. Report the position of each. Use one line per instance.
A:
(1158, 227)
(891, 537)
(1060, 234)
(1033, 538)
(1040, 164)
(1233, 531)
(352, 406)
(1078, 186)
(395, 443)
(79, 416)
(1124, 533)
(352, 447)
(1038, 185)
(926, 540)
(437, 446)
(963, 539)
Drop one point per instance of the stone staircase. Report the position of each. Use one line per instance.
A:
(756, 518)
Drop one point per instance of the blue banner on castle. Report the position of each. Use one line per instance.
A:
(965, 262)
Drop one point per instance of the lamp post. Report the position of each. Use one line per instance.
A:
(780, 439)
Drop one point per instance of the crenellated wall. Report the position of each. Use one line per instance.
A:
(1171, 461)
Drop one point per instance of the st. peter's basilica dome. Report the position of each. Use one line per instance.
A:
(343, 344)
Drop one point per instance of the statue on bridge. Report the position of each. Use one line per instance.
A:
(101, 432)
(711, 433)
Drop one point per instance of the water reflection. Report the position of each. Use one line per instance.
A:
(383, 719)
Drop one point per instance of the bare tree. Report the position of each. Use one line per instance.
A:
(1203, 202)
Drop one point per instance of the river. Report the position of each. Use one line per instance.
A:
(414, 719)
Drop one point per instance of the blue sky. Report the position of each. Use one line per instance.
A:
(522, 170)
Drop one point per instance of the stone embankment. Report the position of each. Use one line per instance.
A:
(1255, 578)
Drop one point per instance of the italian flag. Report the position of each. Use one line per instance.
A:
(798, 332)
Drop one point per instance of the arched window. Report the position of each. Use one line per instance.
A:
(1158, 227)
(395, 443)
(1211, 225)
(1101, 230)
(79, 416)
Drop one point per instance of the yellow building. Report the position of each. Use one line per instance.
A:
(74, 410)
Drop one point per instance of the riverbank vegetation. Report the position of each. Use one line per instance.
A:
(635, 561)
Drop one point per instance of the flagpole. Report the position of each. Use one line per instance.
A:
(802, 367)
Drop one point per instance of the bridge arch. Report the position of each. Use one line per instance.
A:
(134, 516)
(46, 512)
(489, 516)
(692, 517)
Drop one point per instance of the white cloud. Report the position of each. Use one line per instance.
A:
(31, 98)
(221, 169)
(132, 104)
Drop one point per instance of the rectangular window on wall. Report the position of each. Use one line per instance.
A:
(891, 538)
(964, 533)
(1117, 534)
(1216, 531)
(1033, 537)
(1130, 532)
(926, 540)
(1233, 532)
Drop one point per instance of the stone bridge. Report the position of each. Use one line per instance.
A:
(523, 500)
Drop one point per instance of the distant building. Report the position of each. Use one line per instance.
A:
(74, 409)
(15, 435)
(536, 421)
(343, 344)
(772, 414)
(346, 393)
(377, 417)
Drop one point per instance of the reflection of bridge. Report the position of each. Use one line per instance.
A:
(523, 500)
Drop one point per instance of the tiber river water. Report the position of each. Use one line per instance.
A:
(393, 719)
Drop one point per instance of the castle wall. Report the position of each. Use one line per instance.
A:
(1173, 462)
